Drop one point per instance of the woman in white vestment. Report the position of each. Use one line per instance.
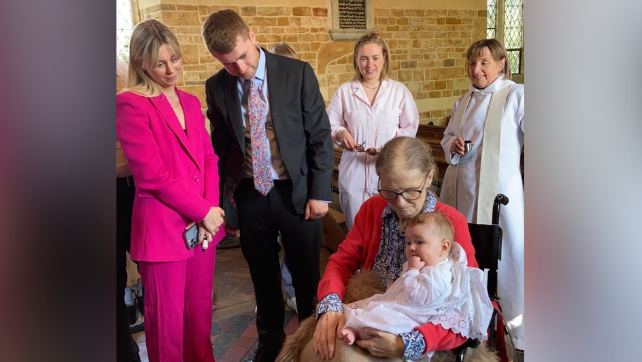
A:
(491, 116)
(364, 114)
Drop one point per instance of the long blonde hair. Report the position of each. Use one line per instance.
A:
(147, 39)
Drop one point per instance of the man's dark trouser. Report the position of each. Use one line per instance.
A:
(261, 218)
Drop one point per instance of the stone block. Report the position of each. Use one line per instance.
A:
(187, 7)
(345, 77)
(282, 21)
(306, 37)
(181, 18)
(445, 73)
(453, 21)
(290, 38)
(214, 8)
(405, 75)
(151, 9)
(408, 64)
(322, 12)
(381, 12)
(262, 21)
(168, 7)
(301, 11)
(321, 22)
(268, 38)
(449, 62)
(440, 84)
(248, 11)
(330, 51)
(413, 12)
(402, 21)
(272, 11)
(416, 21)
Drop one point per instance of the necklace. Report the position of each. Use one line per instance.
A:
(371, 87)
(174, 96)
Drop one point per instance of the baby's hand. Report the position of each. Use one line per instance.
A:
(415, 262)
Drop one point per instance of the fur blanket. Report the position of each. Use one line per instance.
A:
(299, 347)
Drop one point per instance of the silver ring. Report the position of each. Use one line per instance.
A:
(202, 235)
(209, 236)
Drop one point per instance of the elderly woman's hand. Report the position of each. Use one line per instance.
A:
(346, 140)
(382, 344)
(457, 146)
(329, 327)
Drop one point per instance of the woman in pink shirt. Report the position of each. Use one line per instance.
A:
(162, 133)
(364, 114)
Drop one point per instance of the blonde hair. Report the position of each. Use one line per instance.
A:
(371, 38)
(496, 49)
(147, 39)
(283, 49)
(221, 29)
(414, 153)
(441, 222)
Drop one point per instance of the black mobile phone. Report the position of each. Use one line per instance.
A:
(191, 237)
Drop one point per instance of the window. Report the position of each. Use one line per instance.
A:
(506, 23)
(123, 29)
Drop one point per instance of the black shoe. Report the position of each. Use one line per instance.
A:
(264, 357)
(229, 242)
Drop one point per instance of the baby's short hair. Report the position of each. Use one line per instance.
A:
(444, 227)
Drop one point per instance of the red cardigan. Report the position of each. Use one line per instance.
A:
(360, 248)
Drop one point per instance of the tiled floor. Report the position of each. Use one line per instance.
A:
(234, 339)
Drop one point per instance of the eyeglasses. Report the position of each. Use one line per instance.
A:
(370, 150)
(406, 194)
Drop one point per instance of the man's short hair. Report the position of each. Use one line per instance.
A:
(221, 30)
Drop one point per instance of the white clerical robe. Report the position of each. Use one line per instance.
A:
(393, 114)
(461, 184)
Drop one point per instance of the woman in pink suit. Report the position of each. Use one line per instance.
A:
(162, 133)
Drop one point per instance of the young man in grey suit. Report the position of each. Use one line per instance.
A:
(271, 133)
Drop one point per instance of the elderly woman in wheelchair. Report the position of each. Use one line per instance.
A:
(376, 244)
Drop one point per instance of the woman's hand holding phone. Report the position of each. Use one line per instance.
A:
(210, 224)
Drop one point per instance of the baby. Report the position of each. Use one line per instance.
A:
(436, 285)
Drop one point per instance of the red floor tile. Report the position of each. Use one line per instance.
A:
(234, 354)
(251, 332)
(244, 342)
(225, 325)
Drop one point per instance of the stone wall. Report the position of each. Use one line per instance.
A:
(427, 45)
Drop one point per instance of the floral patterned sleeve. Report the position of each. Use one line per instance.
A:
(414, 344)
(331, 303)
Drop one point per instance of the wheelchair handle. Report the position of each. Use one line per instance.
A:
(500, 199)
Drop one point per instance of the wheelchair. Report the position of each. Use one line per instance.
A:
(487, 240)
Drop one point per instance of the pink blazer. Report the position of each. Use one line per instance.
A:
(175, 173)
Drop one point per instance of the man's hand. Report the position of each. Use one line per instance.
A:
(315, 209)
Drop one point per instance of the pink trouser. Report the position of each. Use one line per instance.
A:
(178, 308)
